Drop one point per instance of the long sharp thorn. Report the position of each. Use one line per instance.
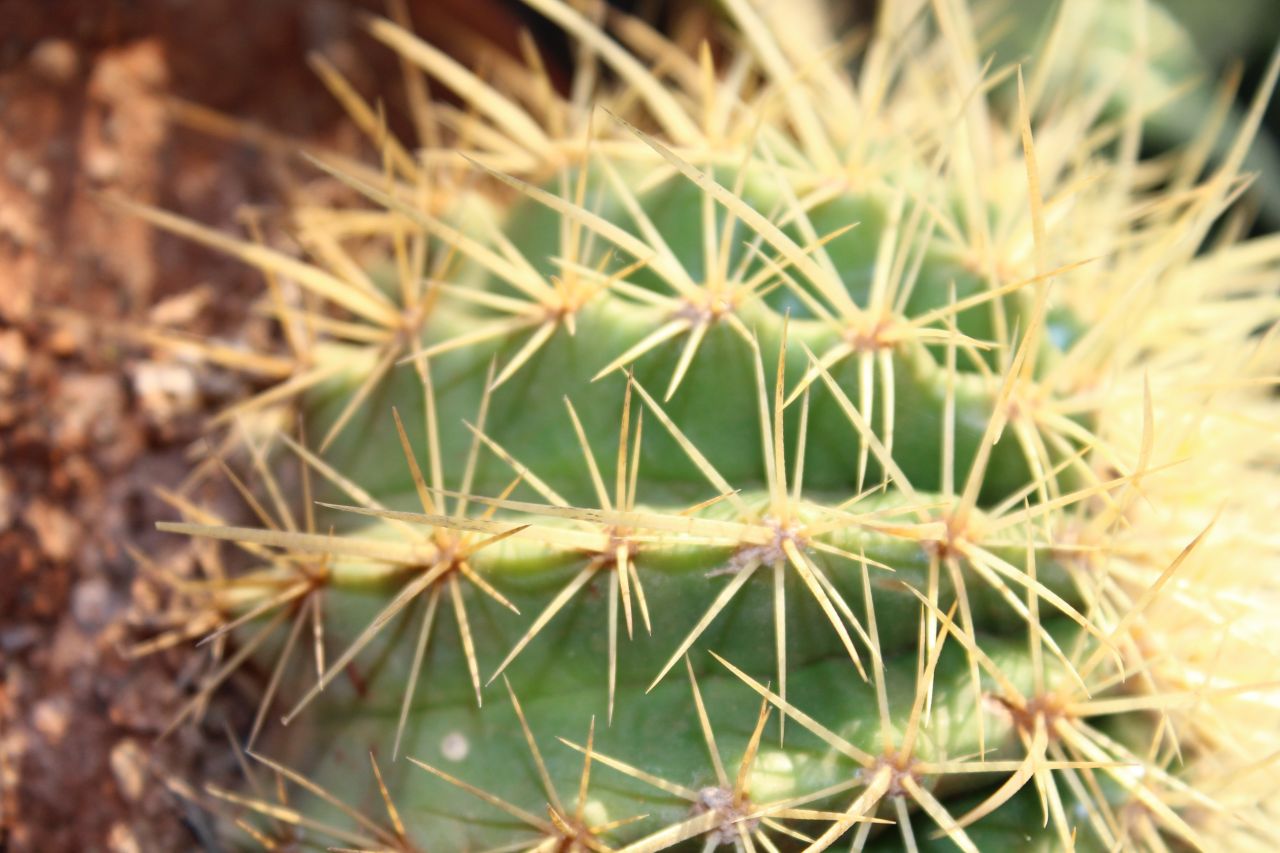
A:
(415, 669)
(721, 601)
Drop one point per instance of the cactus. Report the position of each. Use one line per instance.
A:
(751, 452)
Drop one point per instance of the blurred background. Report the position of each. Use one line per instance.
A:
(89, 427)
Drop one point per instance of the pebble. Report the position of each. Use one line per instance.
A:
(55, 60)
(50, 718)
(8, 500)
(91, 603)
(70, 336)
(13, 351)
(165, 389)
(56, 531)
(102, 164)
(18, 637)
(129, 765)
(89, 410)
(121, 839)
(182, 309)
(38, 181)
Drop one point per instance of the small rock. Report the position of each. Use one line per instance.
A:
(123, 74)
(56, 531)
(183, 308)
(89, 410)
(38, 181)
(69, 336)
(26, 172)
(8, 498)
(13, 352)
(121, 840)
(55, 60)
(18, 637)
(129, 764)
(102, 164)
(92, 603)
(50, 718)
(165, 390)
(13, 748)
(71, 651)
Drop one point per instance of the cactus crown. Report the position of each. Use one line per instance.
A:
(805, 450)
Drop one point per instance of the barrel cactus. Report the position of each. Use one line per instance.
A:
(770, 442)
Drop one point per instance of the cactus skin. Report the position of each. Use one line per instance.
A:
(984, 611)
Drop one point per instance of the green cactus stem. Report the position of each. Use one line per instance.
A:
(748, 452)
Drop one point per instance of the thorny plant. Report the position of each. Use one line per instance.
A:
(965, 441)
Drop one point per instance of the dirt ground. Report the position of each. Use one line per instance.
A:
(90, 425)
